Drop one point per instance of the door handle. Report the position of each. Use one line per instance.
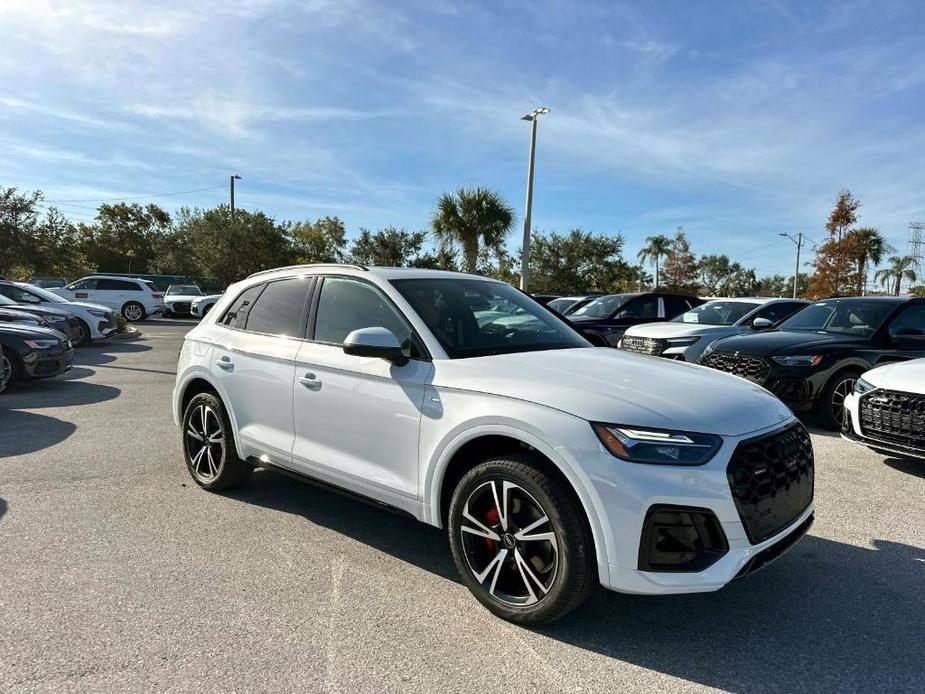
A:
(225, 363)
(310, 381)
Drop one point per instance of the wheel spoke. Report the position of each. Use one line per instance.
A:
(481, 529)
(195, 434)
(549, 537)
(526, 574)
(533, 526)
(213, 468)
(197, 459)
(493, 564)
(501, 508)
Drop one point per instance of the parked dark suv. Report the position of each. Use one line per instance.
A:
(604, 320)
(813, 359)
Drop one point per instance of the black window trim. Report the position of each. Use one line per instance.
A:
(419, 344)
(303, 318)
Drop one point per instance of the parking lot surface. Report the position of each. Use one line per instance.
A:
(117, 573)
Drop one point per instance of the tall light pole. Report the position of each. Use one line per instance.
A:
(533, 116)
(231, 180)
(799, 242)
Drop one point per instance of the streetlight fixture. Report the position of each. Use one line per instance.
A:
(533, 116)
(232, 179)
(799, 242)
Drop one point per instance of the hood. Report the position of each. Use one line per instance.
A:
(609, 385)
(908, 376)
(208, 297)
(28, 331)
(784, 342)
(182, 297)
(672, 329)
(37, 310)
(17, 314)
(95, 307)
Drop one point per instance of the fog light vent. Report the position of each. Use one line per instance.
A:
(680, 538)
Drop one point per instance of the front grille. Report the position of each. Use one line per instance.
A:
(894, 416)
(745, 365)
(643, 345)
(771, 478)
(180, 307)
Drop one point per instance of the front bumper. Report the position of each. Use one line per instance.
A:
(851, 431)
(626, 492)
(47, 365)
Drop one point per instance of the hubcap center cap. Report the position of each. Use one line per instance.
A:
(508, 540)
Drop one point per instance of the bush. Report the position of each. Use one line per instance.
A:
(121, 323)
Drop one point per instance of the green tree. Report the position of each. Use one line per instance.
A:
(578, 262)
(901, 268)
(321, 241)
(680, 265)
(715, 271)
(175, 250)
(18, 219)
(472, 216)
(123, 235)
(656, 248)
(389, 247)
(444, 257)
(55, 248)
(866, 246)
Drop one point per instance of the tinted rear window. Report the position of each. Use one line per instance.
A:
(279, 309)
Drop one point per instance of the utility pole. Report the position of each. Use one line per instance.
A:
(232, 179)
(796, 275)
(525, 249)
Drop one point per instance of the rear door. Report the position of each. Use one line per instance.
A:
(254, 363)
(357, 419)
(82, 290)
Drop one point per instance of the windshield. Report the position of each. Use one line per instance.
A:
(6, 301)
(44, 293)
(184, 289)
(562, 305)
(717, 313)
(858, 317)
(475, 318)
(603, 306)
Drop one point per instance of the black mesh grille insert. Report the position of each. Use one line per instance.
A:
(894, 416)
(753, 368)
(771, 478)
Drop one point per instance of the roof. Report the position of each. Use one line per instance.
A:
(387, 273)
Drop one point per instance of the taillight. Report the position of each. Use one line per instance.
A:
(158, 296)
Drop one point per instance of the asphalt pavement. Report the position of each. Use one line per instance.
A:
(117, 573)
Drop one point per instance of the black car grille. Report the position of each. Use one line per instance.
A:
(745, 365)
(643, 345)
(894, 416)
(771, 478)
(180, 307)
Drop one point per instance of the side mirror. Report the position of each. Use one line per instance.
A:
(762, 324)
(380, 343)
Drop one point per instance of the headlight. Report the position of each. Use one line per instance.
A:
(861, 386)
(683, 341)
(42, 344)
(801, 360)
(657, 446)
(97, 313)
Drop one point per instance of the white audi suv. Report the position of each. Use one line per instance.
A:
(553, 465)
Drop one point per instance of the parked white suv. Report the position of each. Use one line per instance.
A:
(886, 411)
(96, 321)
(136, 299)
(553, 464)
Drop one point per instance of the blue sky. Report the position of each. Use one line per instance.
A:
(735, 120)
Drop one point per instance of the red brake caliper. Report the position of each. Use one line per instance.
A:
(492, 517)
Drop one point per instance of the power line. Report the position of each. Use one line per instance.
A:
(137, 197)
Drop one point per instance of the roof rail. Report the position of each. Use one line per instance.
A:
(309, 265)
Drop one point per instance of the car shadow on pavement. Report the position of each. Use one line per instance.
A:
(827, 616)
(104, 352)
(401, 536)
(26, 432)
(56, 393)
(909, 466)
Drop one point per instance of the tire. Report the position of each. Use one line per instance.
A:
(85, 338)
(498, 571)
(7, 369)
(214, 466)
(133, 311)
(829, 408)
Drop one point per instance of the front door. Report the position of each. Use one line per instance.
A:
(357, 419)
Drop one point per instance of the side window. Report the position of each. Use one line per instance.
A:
(675, 305)
(236, 315)
(643, 307)
(117, 285)
(85, 284)
(279, 309)
(21, 296)
(778, 311)
(346, 305)
(909, 323)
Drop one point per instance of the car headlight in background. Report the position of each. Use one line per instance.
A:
(657, 446)
(42, 344)
(861, 386)
(799, 360)
(683, 341)
(97, 313)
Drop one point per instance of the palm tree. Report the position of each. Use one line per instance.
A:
(900, 269)
(656, 247)
(868, 246)
(470, 215)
